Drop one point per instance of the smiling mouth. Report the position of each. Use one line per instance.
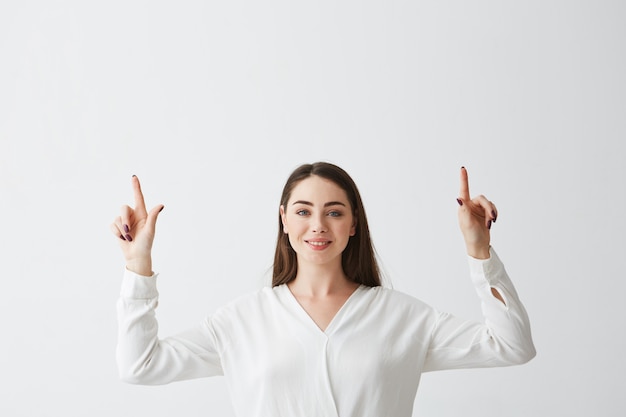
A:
(318, 243)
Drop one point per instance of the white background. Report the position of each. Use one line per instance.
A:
(212, 104)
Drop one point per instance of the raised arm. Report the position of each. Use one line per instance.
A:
(504, 338)
(142, 357)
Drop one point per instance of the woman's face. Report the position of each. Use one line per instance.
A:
(318, 219)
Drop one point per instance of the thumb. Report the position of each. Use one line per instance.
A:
(153, 215)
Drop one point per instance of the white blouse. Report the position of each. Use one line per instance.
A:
(277, 362)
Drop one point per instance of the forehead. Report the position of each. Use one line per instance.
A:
(318, 190)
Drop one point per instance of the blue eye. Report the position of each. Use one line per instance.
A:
(302, 212)
(334, 214)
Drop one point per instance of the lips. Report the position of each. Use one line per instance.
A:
(318, 244)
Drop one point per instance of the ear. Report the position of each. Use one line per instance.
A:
(283, 218)
(353, 228)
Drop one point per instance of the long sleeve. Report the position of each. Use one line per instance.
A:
(366, 363)
(142, 357)
(504, 338)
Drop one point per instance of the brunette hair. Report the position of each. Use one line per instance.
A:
(358, 258)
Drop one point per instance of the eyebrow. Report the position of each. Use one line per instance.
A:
(330, 203)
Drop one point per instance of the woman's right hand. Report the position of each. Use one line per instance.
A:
(135, 230)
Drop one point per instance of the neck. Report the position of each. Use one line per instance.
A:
(321, 280)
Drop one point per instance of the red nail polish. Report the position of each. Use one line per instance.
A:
(126, 228)
(122, 237)
(493, 215)
(489, 224)
(129, 238)
(458, 200)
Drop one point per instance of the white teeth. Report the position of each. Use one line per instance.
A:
(318, 243)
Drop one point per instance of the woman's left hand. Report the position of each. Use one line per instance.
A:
(475, 219)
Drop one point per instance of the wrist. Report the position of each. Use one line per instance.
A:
(481, 252)
(140, 267)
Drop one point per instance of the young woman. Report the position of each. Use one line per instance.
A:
(326, 339)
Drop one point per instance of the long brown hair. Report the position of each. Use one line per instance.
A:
(358, 258)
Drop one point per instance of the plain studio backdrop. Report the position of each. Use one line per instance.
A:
(213, 104)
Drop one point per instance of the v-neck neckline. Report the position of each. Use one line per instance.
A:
(306, 317)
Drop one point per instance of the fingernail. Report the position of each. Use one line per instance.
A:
(134, 175)
(489, 224)
(493, 215)
(129, 237)
(458, 200)
(126, 228)
(161, 209)
(122, 237)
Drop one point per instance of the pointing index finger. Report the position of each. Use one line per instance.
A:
(464, 191)
(140, 205)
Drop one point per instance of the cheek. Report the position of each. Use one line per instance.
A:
(351, 226)
(295, 228)
(291, 242)
(347, 230)
(293, 224)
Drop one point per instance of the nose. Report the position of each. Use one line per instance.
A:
(318, 224)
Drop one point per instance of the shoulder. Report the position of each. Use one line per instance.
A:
(384, 296)
(391, 293)
(246, 302)
(400, 313)
(245, 318)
